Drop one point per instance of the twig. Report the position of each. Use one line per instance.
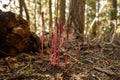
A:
(73, 58)
(93, 75)
(2, 52)
(26, 65)
(76, 77)
(108, 72)
(104, 71)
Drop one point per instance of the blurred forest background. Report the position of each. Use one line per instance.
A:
(88, 17)
(80, 40)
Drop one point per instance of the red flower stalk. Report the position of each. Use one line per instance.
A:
(51, 55)
(61, 38)
(67, 41)
(60, 41)
(58, 56)
(42, 41)
(57, 42)
(54, 50)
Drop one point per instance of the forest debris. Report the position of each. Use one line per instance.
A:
(26, 65)
(34, 76)
(104, 71)
(108, 72)
(76, 77)
(59, 76)
(96, 77)
(87, 61)
(2, 69)
(73, 58)
(12, 62)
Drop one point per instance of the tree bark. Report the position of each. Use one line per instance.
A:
(77, 17)
(23, 5)
(21, 9)
(50, 14)
(94, 29)
(114, 10)
(35, 25)
(62, 12)
(113, 23)
(26, 11)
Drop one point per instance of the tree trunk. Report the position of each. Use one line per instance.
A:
(23, 5)
(114, 10)
(77, 17)
(113, 23)
(21, 9)
(35, 25)
(94, 29)
(50, 14)
(62, 12)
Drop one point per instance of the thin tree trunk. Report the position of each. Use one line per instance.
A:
(62, 12)
(114, 10)
(25, 8)
(21, 9)
(50, 14)
(94, 28)
(56, 11)
(77, 17)
(35, 16)
(113, 23)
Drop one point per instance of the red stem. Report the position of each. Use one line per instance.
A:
(58, 45)
(67, 40)
(55, 42)
(42, 41)
(51, 55)
(60, 41)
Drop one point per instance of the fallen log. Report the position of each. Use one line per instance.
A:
(15, 35)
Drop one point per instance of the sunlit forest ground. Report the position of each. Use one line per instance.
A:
(93, 63)
(96, 57)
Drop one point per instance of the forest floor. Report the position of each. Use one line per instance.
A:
(93, 64)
